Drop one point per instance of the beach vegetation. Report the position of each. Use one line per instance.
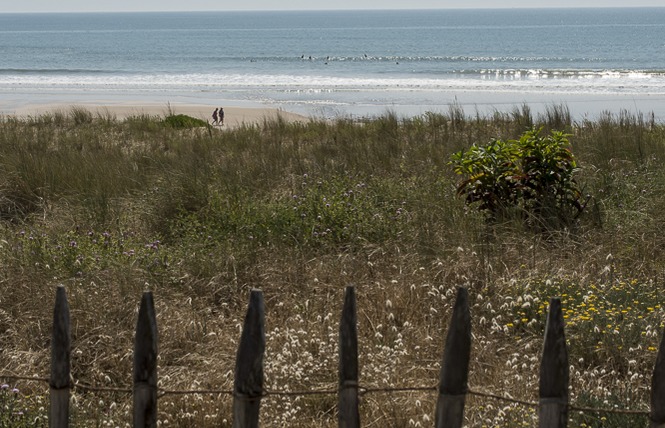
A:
(18, 410)
(183, 121)
(531, 178)
(110, 208)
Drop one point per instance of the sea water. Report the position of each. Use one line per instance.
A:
(338, 62)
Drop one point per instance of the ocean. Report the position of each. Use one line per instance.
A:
(332, 63)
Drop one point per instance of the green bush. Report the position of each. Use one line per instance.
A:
(182, 121)
(531, 178)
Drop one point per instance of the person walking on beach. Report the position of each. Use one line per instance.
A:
(214, 117)
(221, 116)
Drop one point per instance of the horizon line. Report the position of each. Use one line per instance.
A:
(334, 10)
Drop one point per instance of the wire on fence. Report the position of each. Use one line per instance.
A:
(362, 391)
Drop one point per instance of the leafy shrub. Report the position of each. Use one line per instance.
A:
(182, 121)
(532, 177)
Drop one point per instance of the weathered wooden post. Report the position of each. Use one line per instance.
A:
(454, 373)
(145, 365)
(657, 414)
(553, 408)
(60, 362)
(248, 383)
(348, 413)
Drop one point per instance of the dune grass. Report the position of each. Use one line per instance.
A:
(110, 208)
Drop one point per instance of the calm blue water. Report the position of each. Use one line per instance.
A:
(336, 61)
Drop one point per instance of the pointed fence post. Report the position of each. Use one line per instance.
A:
(348, 413)
(657, 414)
(248, 383)
(60, 362)
(145, 365)
(454, 374)
(553, 391)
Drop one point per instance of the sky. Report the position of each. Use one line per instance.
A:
(222, 5)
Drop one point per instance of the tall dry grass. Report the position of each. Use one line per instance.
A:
(110, 208)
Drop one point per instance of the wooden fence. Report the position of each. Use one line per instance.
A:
(248, 388)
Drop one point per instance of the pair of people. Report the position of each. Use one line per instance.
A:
(218, 117)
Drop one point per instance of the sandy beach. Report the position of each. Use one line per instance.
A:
(581, 106)
(234, 116)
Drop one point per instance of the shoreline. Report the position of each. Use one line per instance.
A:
(122, 105)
